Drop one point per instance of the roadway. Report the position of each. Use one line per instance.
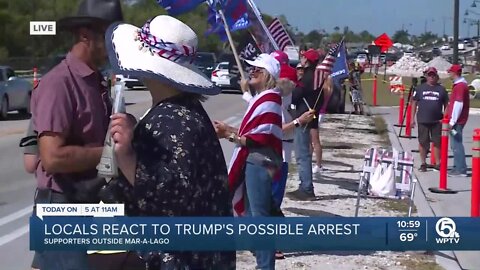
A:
(17, 187)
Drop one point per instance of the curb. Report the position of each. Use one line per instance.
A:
(446, 259)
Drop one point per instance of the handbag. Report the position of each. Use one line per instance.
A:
(382, 182)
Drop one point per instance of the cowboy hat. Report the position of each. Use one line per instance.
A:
(93, 12)
(163, 49)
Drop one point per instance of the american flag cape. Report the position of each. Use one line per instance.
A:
(262, 123)
(279, 34)
(325, 67)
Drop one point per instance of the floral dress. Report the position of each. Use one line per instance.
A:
(181, 171)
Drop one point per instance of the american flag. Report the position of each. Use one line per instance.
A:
(279, 34)
(262, 124)
(325, 67)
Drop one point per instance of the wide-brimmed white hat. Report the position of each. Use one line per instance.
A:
(267, 62)
(163, 49)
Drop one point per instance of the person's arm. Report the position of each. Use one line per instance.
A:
(30, 149)
(57, 157)
(457, 105)
(54, 113)
(305, 118)
(30, 162)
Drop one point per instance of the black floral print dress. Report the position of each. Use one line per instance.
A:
(181, 171)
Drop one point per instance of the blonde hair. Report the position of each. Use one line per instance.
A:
(270, 81)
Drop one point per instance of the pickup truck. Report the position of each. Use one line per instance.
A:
(14, 93)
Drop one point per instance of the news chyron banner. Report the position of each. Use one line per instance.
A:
(104, 227)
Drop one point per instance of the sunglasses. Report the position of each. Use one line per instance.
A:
(254, 70)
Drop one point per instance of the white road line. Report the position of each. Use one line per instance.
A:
(25, 211)
(13, 235)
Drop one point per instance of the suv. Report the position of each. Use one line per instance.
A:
(206, 62)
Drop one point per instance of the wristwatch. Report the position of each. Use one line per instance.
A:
(296, 122)
(232, 137)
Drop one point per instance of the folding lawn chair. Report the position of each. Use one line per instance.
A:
(403, 166)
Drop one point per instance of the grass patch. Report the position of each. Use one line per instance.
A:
(386, 98)
(348, 155)
(400, 206)
(342, 145)
(420, 262)
(382, 130)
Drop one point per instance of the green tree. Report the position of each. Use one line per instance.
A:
(401, 36)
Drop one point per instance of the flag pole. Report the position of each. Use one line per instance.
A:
(260, 20)
(323, 82)
(232, 45)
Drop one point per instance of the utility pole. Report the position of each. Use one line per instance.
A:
(456, 17)
(477, 56)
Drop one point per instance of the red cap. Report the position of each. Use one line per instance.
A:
(281, 56)
(312, 55)
(288, 72)
(455, 68)
(431, 70)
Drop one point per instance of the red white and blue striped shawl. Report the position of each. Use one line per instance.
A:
(262, 123)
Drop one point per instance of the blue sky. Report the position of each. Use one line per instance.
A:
(376, 16)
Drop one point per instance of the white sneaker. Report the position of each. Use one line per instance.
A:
(317, 169)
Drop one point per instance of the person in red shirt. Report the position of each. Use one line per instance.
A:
(458, 109)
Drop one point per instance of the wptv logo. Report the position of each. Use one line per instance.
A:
(447, 231)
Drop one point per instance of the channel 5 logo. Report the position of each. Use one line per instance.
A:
(446, 229)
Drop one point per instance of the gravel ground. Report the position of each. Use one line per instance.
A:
(336, 196)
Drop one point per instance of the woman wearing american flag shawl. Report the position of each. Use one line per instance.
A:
(257, 157)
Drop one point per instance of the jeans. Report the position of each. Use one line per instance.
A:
(304, 158)
(55, 259)
(458, 149)
(258, 184)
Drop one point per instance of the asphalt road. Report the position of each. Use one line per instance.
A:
(17, 187)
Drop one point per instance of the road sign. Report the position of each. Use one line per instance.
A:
(384, 42)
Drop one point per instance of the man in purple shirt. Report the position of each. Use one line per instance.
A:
(71, 109)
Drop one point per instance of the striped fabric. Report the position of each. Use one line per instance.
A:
(279, 34)
(262, 123)
(325, 67)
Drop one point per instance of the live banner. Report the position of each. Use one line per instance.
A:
(286, 234)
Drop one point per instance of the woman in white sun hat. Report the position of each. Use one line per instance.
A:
(257, 157)
(172, 160)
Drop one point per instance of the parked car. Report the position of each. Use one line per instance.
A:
(362, 58)
(436, 52)
(206, 62)
(131, 82)
(221, 75)
(461, 46)
(15, 93)
(445, 47)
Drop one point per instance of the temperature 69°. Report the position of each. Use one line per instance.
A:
(408, 237)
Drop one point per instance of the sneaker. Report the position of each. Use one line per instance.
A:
(436, 168)
(279, 255)
(456, 173)
(317, 169)
(423, 168)
(301, 195)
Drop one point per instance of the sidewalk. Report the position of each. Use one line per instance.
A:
(431, 204)
(344, 147)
